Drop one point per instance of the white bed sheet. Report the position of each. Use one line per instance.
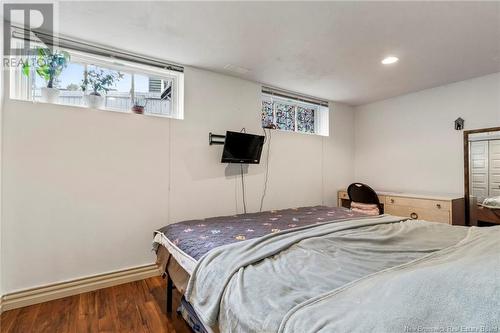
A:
(186, 261)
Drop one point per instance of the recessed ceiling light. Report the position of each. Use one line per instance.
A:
(390, 60)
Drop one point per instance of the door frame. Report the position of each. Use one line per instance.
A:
(466, 167)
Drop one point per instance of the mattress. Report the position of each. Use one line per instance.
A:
(187, 312)
(181, 258)
(188, 241)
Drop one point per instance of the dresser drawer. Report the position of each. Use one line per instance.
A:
(442, 216)
(435, 205)
(418, 213)
(397, 210)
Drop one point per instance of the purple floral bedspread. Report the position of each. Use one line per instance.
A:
(197, 237)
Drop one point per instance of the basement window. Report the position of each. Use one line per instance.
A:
(99, 82)
(294, 113)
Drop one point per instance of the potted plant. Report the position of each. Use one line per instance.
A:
(49, 65)
(100, 82)
(138, 105)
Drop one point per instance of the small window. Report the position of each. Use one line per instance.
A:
(305, 118)
(70, 85)
(155, 93)
(284, 115)
(92, 81)
(294, 113)
(119, 95)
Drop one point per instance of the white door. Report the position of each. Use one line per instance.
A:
(494, 165)
(478, 151)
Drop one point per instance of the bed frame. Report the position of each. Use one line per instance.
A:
(170, 288)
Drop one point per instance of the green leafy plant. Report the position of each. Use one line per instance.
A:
(100, 81)
(49, 65)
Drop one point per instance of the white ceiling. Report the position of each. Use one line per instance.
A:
(330, 50)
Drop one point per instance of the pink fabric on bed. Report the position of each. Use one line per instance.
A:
(372, 212)
(367, 209)
(363, 205)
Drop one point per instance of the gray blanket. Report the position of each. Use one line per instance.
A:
(453, 290)
(260, 284)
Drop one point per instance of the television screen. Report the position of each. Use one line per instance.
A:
(242, 148)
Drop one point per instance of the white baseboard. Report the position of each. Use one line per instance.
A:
(73, 287)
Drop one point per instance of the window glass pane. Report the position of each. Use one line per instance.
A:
(71, 77)
(155, 94)
(70, 84)
(285, 117)
(305, 119)
(267, 113)
(118, 97)
(115, 89)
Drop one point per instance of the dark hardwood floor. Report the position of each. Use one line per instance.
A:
(135, 307)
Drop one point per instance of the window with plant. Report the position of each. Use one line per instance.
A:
(49, 65)
(74, 78)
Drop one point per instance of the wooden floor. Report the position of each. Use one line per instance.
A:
(133, 307)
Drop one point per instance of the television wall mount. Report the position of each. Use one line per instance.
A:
(216, 139)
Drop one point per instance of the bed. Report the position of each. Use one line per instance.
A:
(486, 212)
(323, 269)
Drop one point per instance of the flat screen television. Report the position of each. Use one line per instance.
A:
(242, 148)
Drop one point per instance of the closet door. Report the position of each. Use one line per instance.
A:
(494, 166)
(479, 169)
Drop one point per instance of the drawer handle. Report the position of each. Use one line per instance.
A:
(392, 200)
(414, 216)
(438, 206)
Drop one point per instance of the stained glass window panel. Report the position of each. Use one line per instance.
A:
(288, 113)
(285, 117)
(305, 119)
(267, 113)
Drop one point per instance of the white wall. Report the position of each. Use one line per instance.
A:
(408, 143)
(84, 189)
(338, 153)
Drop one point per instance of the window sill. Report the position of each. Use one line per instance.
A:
(95, 109)
(295, 132)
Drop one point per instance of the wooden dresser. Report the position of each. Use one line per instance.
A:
(433, 207)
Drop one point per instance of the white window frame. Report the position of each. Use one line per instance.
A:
(321, 114)
(21, 88)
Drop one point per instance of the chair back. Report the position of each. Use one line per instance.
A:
(359, 192)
